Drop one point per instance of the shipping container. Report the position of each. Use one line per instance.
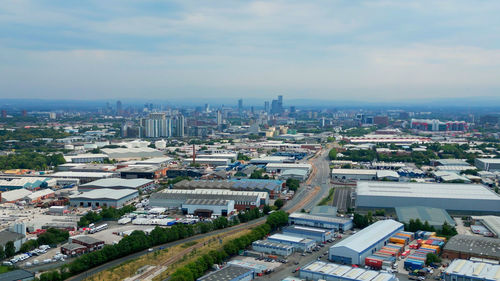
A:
(397, 240)
(411, 264)
(373, 262)
(388, 252)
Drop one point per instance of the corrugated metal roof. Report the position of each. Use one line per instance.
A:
(104, 193)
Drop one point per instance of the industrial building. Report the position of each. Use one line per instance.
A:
(297, 174)
(229, 273)
(132, 153)
(208, 161)
(142, 172)
(467, 246)
(15, 233)
(466, 270)
(273, 187)
(492, 223)
(282, 167)
(463, 198)
(17, 275)
(230, 156)
(105, 197)
(208, 207)
(84, 177)
(40, 195)
(326, 222)
(272, 248)
(86, 158)
(116, 183)
(355, 248)
(488, 164)
(243, 200)
(14, 195)
(354, 174)
(319, 270)
(299, 244)
(271, 159)
(434, 216)
(317, 234)
(30, 183)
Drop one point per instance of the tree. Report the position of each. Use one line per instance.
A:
(293, 184)
(279, 203)
(2, 253)
(432, 258)
(332, 154)
(266, 209)
(10, 250)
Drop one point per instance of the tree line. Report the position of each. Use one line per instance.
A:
(445, 230)
(138, 241)
(107, 213)
(197, 268)
(30, 160)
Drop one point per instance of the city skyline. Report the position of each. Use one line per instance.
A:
(368, 51)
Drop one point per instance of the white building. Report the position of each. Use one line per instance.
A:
(354, 249)
(217, 207)
(272, 248)
(451, 197)
(281, 167)
(354, 174)
(85, 158)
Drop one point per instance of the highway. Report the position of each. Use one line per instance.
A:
(306, 198)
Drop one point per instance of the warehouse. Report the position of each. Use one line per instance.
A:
(354, 174)
(30, 183)
(14, 195)
(132, 153)
(272, 248)
(208, 207)
(316, 234)
(318, 270)
(229, 273)
(488, 164)
(85, 158)
(229, 156)
(273, 187)
(492, 223)
(465, 270)
(463, 198)
(355, 248)
(297, 174)
(467, 246)
(142, 172)
(271, 159)
(282, 167)
(243, 200)
(17, 275)
(434, 216)
(40, 195)
(84, 177)
(105, 197)
(116, 183)
(331, 223)
(300, 244)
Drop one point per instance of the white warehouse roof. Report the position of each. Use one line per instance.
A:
(289, 238)
(105, 193)
(368, 236)
(14, 195)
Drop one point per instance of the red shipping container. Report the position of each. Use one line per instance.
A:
(375, 263)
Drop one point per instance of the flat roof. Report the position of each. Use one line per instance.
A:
(113, 182)
(274, 244)
(318, 218)
(425, 190)
(16, 194)
(474, 270)
(71, 174)
(73, 246)
(199, 201)
(489, 160)
(86, 239)
(305, 228)
(104, 193)
(227, 273)
(289, 165)
(476, 245)
(15, 275)
(289, 238)
(491, 222)
(354, 172)
(368, 236)
(346, 272)
(435, 216)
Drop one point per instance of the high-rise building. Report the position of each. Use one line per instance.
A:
(207, 107)
(240, 105)
(266, 106)
(157, 126)
(119, 110)
(277, 105)
(219, 119)
(179, 126)
(4, 113)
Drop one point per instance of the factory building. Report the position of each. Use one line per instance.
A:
(208, 161)
(326, 222)
(488, 164)
(492, 223)
(298, 174)
(116, 183)
(463, 198)
(81, 244)
(282, 167)
(142, 172)
(467, 246)
(83, 177)
(317, 234)
(271, 159)
(14, 195)
(318, 270)
(355, 248)
(465, 270)
(273, 187)
(243, 200)
(40, 195)
(272, 248)
(230, 156)
(30, 183)
(208, 207)
(434, 216)
(354, 174)
(132, 153)
(299, 244)
(105, 197)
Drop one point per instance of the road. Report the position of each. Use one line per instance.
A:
(305, 198)
(341, 198)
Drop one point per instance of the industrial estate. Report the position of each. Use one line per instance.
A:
(270, 192)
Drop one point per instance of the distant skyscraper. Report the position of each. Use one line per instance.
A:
(179, 126)
(157, 125)
(119, 110)
(24, 113)
(207, 107)
(219, 118)
(240, 105)
(266, 106)
(4, 113)
(277, 105)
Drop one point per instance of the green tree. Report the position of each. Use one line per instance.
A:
(432, 258)
(332, 154)
(266, 209)
(10, 250)
(2, 253)
(279, 203)
(293, 184)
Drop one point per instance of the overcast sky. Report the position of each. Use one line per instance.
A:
(350, 50)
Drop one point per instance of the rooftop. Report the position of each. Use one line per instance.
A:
(227, 273)
(104, 193)
(347, 272)
(474, 270)
(489, 160)
(318, 218)
(425, 190)
(354, 172)
(310, 229)
(73, 246)
(214, 202)
(6, 236)
(476, 245)
(86, 239)
(274, 244)
(491, 222)
(368, 236)
(113, 182)
(14, 195)
(290, 238)
(16, 275)
(70, 174)
(434, 216)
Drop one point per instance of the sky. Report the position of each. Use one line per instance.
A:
(198, 50)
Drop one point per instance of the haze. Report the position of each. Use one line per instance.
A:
(358, 50)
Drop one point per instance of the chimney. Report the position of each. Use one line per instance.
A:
(194, 154)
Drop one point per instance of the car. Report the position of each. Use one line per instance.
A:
(296, 263)
(295, 270)
(303, 254)
(421, 278)
(150, 249)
